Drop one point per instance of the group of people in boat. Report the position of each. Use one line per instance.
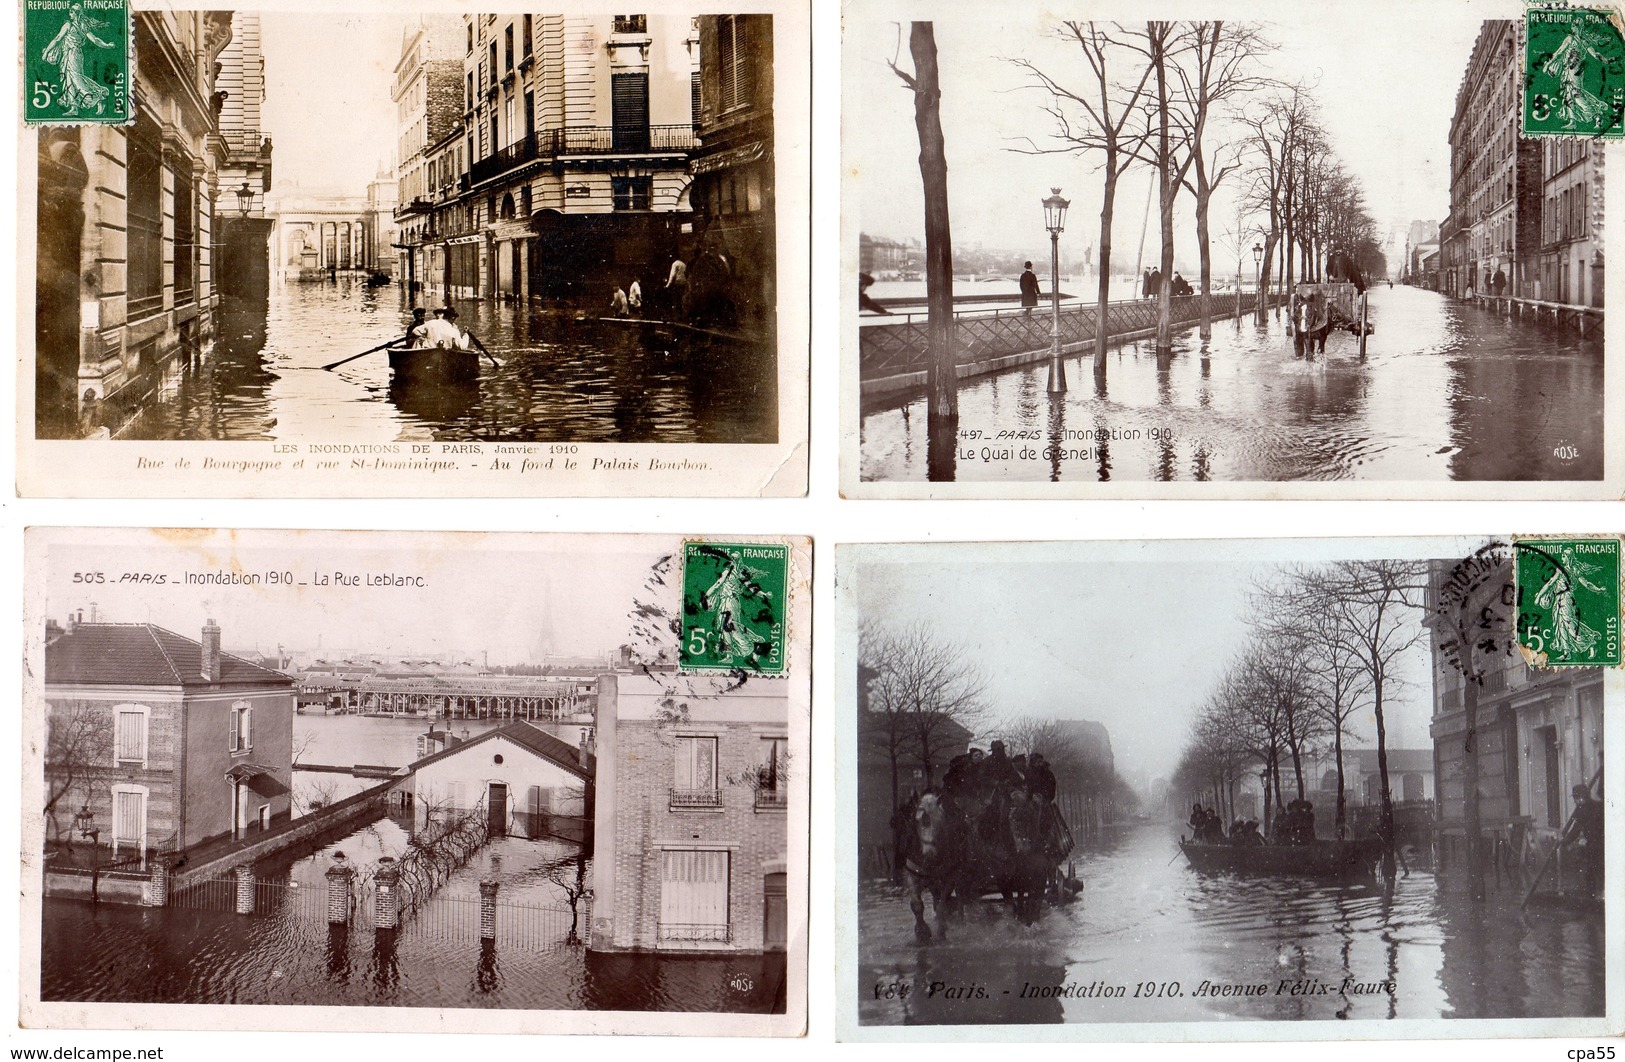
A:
(441, 331)
(1295, 824)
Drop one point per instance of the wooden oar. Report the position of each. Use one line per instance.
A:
(364, 353)
(474, 339)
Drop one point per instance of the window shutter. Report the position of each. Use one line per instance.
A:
(249, 712)
(231, 729)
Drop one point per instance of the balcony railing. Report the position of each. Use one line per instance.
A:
(586, 140)
(690, 931)
(695, 798)
(772, 799)
(416, 205)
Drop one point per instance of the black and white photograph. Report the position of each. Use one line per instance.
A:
(1212, 790)
(382, 231)
(1293, 253)
(404, 782)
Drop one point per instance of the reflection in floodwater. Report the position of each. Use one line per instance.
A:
(1150, 940)
(1447, 391)
(563, 376)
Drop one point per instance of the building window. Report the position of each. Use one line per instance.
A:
(146, 221)
(510, 122)
(468, 101)
(507, 46)
(524, 44)
(631, 24)
(694, 783)
(242, 727)
(524, 201)
(185, 238)
(530, 114)
(130, 817)
(493, 64)
(471, 38)
(130, 735)
(632, 193)
(694, 896)
(772, 784)
(629, 105)
(734, 60)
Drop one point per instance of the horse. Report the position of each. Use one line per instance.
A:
(933, 856)
(1024, 875)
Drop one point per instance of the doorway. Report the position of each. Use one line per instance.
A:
(1547, 736)
(496, 800)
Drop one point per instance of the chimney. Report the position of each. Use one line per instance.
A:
(211, 651)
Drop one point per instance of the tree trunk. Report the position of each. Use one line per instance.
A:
(1469, 783)
(1342, 800)
(942, 383)
(1203, 192)
(1108, 204)
(1165, 202)
(1387, 829)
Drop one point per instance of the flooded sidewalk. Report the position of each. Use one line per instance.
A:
(1447, 391)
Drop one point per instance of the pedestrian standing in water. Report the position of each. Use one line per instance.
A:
(677, 288)
(617, 303)
(634, 298)
(1029, 289)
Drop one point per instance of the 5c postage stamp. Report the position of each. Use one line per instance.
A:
(1568, 594)
(733, 607)
(1574, 73)
(76, 62)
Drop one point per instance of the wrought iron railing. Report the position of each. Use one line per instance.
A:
(695, 798)
(586, 140)
(772, 799)
(891, 347)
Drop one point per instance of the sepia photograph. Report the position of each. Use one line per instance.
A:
(1250, 789)
(1291, 253)
(487, 782)
(380, 231)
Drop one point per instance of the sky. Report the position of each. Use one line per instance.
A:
(327, 108)
(1131, 635)
(1386, 89)
(515, 598)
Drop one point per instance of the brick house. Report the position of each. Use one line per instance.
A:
(690, 824)
(166, 742)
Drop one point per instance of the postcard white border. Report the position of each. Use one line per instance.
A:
(1225, 551)
(1387, 16)
(37, 1014)
(81, 468)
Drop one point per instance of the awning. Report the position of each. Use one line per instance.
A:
(727, 160)
(244, 772)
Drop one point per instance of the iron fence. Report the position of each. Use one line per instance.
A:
(893, 348)
(696, 931)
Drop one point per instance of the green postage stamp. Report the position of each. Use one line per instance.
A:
(1568, 594)
(76, 62)
(1574, 73)
(734, 601)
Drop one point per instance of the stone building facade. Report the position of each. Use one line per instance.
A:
(427, 93)
(1571, 270)
(241, 231)
(1495, 182)
(567, 173)
(690, 825)
(126, 231)
(164, 741)
(1538, 732)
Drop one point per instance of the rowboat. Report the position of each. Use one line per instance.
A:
(434, 364)
(1321, 859)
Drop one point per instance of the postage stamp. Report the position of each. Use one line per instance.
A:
(1568, 594)
(1574, 73)
(76, 62)
(733, 607)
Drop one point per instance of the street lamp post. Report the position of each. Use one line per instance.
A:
(1055, 222)
(245, 199)
(1258, 293)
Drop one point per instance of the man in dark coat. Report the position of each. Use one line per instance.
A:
(1146, 290)
(1029, 289)
(1156, 284)
(1041, 777)
(1586, 828)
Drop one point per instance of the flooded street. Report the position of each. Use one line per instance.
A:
(1447, 391)
(562, 376)
(1150, 927)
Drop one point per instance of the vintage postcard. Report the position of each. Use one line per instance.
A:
(394, 249)
(1224, 790)
(1288, 252)
(409, 782)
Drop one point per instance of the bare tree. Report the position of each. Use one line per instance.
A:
(942, 377)
(570, 876)
(923, 695)
(1374, 603)
(78, 743)
(1097, 118)
(1274, 128)
(1216, 67)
